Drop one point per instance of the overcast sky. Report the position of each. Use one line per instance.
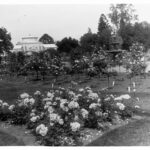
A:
(58, 20)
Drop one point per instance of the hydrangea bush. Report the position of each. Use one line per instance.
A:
(58, 116)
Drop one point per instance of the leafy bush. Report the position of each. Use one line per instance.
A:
(58, 116)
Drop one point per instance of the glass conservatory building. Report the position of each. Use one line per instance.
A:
(31, 44)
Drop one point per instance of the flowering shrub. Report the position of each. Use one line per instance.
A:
(5, 110)
(58, 116)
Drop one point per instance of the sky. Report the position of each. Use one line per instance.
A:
(57, 20)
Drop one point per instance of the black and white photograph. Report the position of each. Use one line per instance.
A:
(75, 74)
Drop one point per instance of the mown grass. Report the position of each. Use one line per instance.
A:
(11, 88)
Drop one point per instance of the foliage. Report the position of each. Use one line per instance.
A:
(5, 43)
(67, 44)
(122, 13)
(88, 41)
(46, 39)
(58, 116)
(104, 33)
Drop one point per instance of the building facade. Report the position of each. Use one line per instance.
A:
(31, 44)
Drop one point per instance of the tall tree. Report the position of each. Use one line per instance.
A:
(104, 32)
(142, 33)
(67, 44)
(5, 41)
(126, 31)
(46, 39)
(88, 41)
(122, 12)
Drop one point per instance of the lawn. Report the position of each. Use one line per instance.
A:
(11, 88)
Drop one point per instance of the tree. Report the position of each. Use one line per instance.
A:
(127, 34)
(46, 39)
(5, 41)
(88, 41)
(67, 44)
(12, 63)
(122, 12)
(38, 64)
(142, 33)
(104, 32)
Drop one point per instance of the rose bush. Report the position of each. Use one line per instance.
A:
(58, 116)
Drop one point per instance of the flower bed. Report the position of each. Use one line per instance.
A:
(58, 116)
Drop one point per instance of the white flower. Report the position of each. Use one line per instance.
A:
(88, 88)
(55, 103)
(84, 113)
(5, 104)
(34, 118)
(125, 96)
(121, 106)
(37, 93)
(50, 109)
(63, 105)
(75, 126)
(24, 95)
(57, 98)
(136, 106)
(112, 96)
(26, 101)
(81, 90)
(78, 95)
(51, 123)
(93, 106)
(71, 93)
(98, 100)
(107, 99)
(76, 118)
(11, 107)
(53, 117)
(1, 101)
(56, 118)
(105, 114)
(33, 110)
(50, 95)
(42, 114)
(31, 101)
(32, 114)
(48, 103)
(73, 105)
(118, 98)
(98, 113)
(93, 95)
(60, 121)
(63, 101)
(42, 130)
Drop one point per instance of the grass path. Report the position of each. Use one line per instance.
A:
(15, 136)
(135, 133)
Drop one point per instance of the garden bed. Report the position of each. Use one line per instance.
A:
(62, 116)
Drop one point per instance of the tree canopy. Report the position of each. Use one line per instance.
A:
(88, 41)
(122, 13)
(67, 44)
(104, 32)
(5, 41)
(46, 39)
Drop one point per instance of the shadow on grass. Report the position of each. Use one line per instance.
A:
(9, 140)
